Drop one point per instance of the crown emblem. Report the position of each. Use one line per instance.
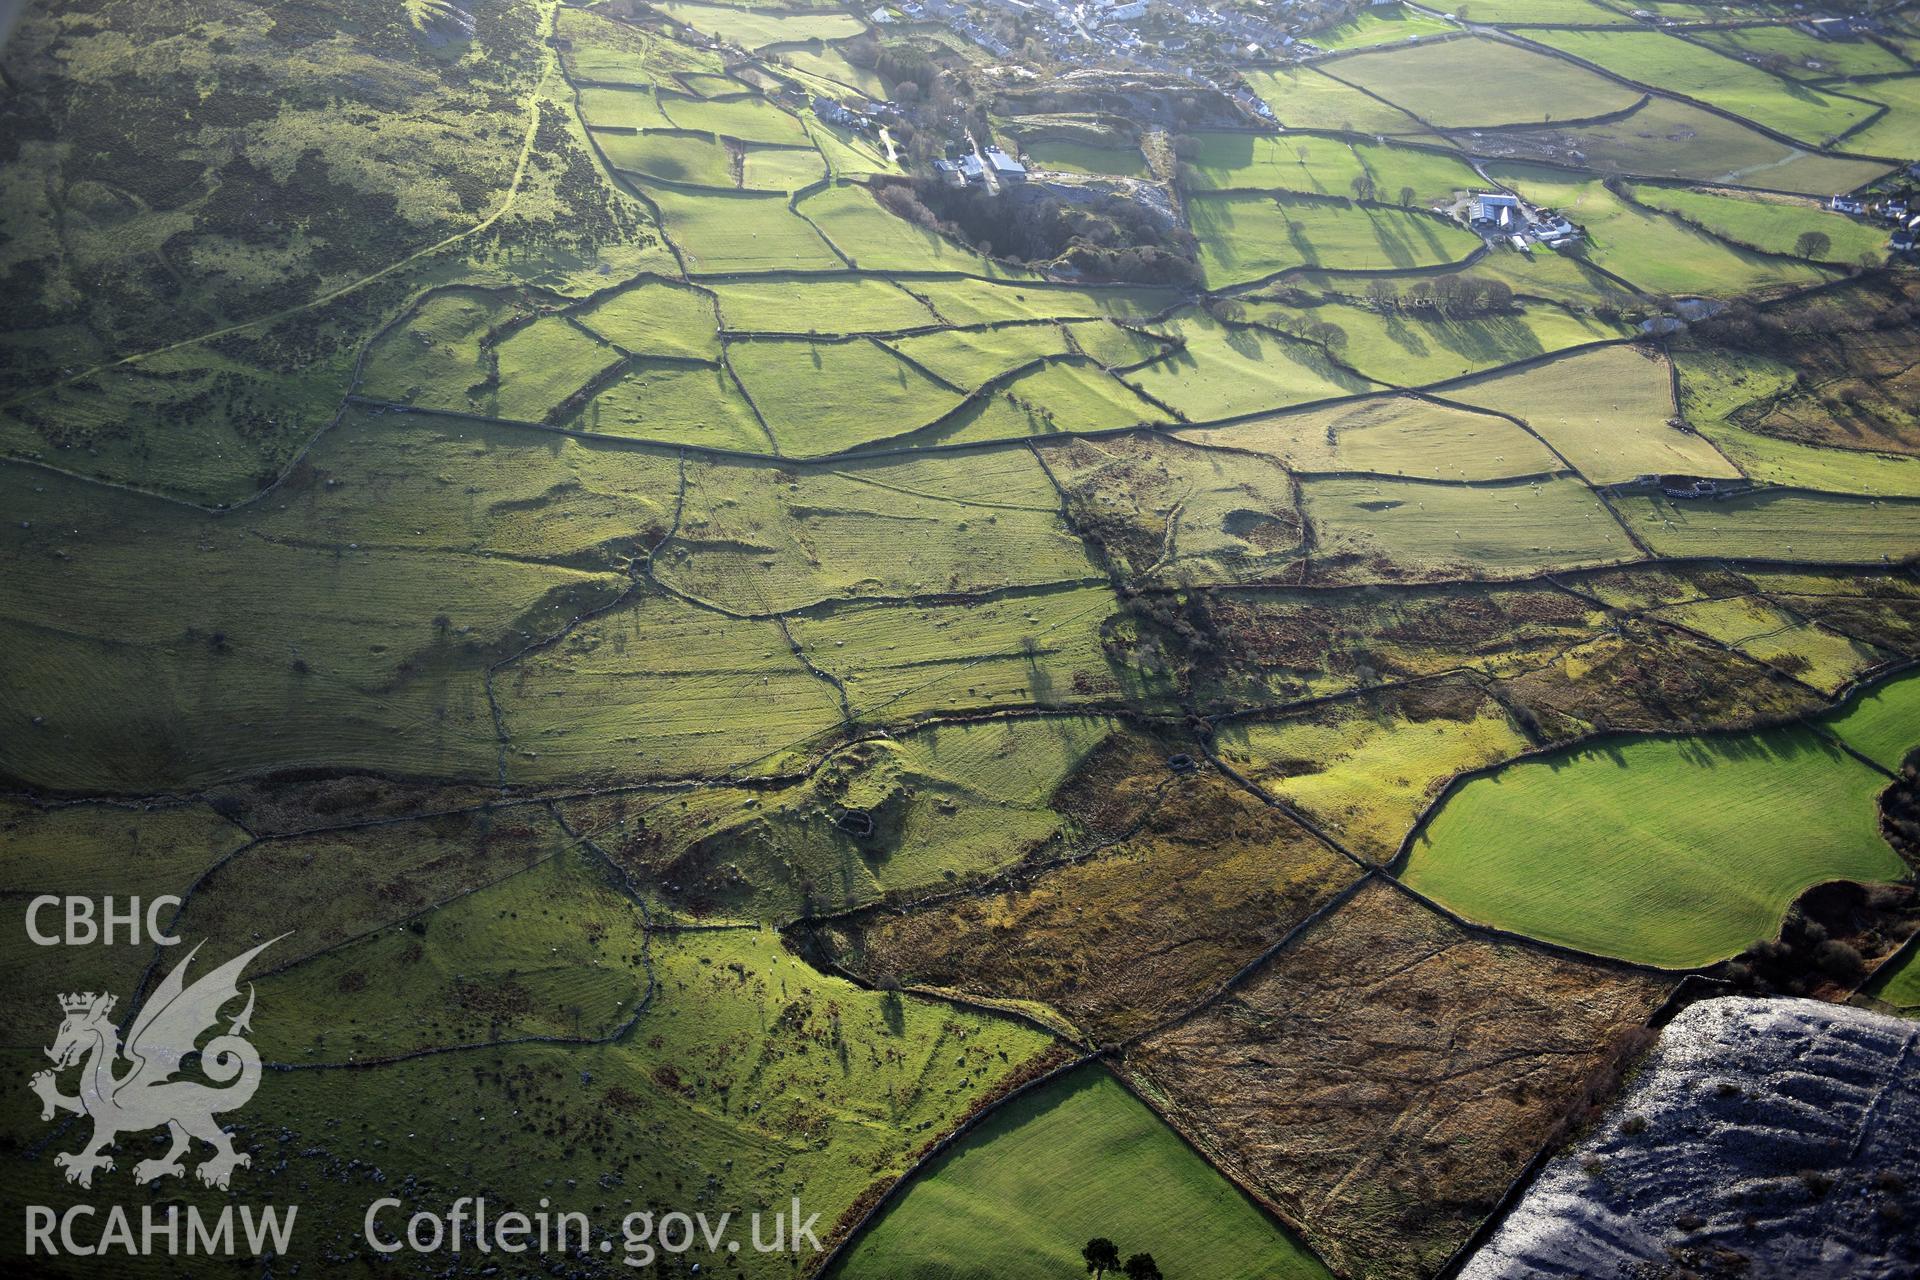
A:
(81, 1002)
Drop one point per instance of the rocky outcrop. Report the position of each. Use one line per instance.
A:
(1762, 1138)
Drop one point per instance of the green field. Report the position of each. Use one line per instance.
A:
(1509, 85)
(821, 306)
(1088, 1155)
(754, 29)
(1381, 25)
(825, 397)
(876, 240)
(1304, 98)
(1891, 134)
(1773, 225)
(1663, 62)
(1415, 345)
(693, 160)
(1882, 723)
(1080, 157)
(1670, 139)
(724, 233)
(1325, 166)
(1244, 238)
(1653, 250)
(1806, 57)
(1669, 851)
(1223, 371)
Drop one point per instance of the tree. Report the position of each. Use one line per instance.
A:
(1141, 1266)
(1102, 1255)
(1383, 295)
(1407, 196)
(1362, 187)
(1813, 244)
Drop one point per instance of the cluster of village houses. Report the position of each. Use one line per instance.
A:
(1901, 211)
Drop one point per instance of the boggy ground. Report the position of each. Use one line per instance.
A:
(1384, 1078)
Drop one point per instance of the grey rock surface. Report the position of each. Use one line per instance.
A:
(1761, 1138)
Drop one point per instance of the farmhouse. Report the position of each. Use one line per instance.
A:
(1005, 167)
(948, 172)
(1495, 210)
(1846, 204)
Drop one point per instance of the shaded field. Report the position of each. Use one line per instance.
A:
(1676, 852)
(1091, 1154)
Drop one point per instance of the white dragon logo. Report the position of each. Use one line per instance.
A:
(163, 1034)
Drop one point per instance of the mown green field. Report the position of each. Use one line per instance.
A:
(755, 29)
(1668, 851)
(1509, 85)
(1088, 1156)
(1882, 723)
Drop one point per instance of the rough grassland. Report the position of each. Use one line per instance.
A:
(1207, 877)
(1365, 773)
(658, 688)
(950, 803)
(1393, 435)
(1669, 851)
(753, 29)
(756, 540)
(1405, 529)
(1085, 1154)
(1782, 526)
(1606, 411)
(1384, 1078)
(1823, 659)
